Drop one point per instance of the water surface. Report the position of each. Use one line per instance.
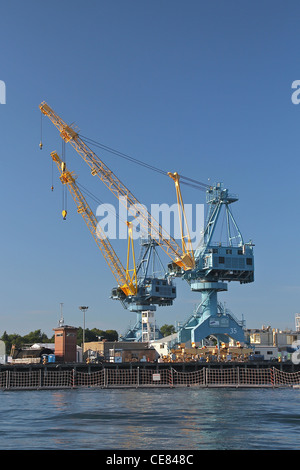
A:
(140, 419)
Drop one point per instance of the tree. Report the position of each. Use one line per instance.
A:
(19, 341)
(35, 337)
(99, 334)
(95, 335)
(111, 335)
(167, 330)
(5, 337)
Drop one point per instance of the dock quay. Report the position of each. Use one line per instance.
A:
(151, 375)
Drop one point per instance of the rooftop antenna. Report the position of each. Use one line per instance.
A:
(61, 321)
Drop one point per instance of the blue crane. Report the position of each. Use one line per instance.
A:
(154, 288)
(219, 259)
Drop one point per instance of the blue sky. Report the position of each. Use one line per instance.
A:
(198, 87)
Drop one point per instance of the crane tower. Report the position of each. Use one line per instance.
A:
(217, 262)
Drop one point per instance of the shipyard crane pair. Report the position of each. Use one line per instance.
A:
(207, 269)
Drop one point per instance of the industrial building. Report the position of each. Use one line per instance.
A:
(66, 343)
(120, 351)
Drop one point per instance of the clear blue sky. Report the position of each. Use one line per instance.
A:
(198, 87)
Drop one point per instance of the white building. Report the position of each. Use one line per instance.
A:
(267, 352)
(164, 345)
(272, 343)
(3, 357)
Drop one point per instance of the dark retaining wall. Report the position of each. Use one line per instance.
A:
(178, 366)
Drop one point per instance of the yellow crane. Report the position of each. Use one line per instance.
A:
(182, 260)
(187, 247)
(126, 278)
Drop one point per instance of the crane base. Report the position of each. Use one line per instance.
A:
(221, 326)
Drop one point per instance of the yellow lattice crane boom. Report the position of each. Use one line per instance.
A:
(181, 259)
(126, 278)
(186, 242)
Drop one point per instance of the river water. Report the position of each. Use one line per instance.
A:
(150, 419)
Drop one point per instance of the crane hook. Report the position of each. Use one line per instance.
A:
(41, 143)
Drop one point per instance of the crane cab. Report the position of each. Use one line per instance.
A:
(150, 291)
(228, 263)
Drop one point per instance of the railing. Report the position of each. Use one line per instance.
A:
(139, 378)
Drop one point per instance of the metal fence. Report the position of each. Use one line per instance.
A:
(139, 377)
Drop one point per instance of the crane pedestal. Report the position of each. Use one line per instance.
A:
(145, 329)
(210, 318)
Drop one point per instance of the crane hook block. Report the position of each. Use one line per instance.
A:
(64, 214)
(41, 145)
